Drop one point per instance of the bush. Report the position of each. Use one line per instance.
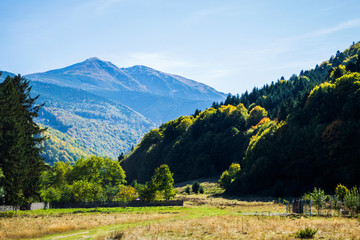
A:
(147, 192)
(228, 176)
(352, 200)
(201, 189)
(318, 199)
(341, 191)
(126, 193)
(306, 196)
(225, 180)
(306, 233)
(335, 204)
(50, 194)
(115, 235)
(187, 189)
(195, 187)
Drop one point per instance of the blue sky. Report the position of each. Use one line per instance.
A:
(229, 45)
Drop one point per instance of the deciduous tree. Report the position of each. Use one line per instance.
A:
(164, 181)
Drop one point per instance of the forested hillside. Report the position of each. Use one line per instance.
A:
(194, 146)
(59, 146)
(311, 138)
(82, 124)
(280, 98)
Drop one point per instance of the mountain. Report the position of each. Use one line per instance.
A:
(288, 137)
(80, 124)
(4, 74)
(156, 95)
(90, 123)
(93, 107)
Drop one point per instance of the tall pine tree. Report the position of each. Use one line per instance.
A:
(19, 141)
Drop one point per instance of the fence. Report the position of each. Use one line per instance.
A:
(299, 206)
(44, 205)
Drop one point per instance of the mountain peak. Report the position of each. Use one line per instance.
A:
(94, 59)
(97, 75)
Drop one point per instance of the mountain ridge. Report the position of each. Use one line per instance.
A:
(105, 70)
(156, 95)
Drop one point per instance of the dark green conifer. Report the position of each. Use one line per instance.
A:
(19, 140)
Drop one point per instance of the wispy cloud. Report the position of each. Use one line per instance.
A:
(354, 23)
(349, 24)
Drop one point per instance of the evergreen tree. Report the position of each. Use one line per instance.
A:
(19, 141)
(354, 66)
(195, 187)
(121, 157)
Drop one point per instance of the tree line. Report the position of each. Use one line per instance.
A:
(25, 177)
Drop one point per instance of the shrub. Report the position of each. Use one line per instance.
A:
(306, 233)
(147, 192)
(352, 200)
(234, 170)
(335, 204)
(225, 180)
(126, 193)
(318, 199)
(50, 194)
(201, 189)
(195, 187)
(306, 196)
(228, 176)
(187, 189)
(341, 191)
(115, 235)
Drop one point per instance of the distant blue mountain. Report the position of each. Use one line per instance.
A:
(81, 123)
(94, 107)
(4, 74)
(95, 124)
(157, 95)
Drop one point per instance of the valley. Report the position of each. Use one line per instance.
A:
(179, 120)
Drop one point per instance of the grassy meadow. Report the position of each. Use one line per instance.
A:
(204, 216)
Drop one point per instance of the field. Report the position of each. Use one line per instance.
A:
(204, 216)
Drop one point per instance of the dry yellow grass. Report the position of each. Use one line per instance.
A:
(30, 227)
(246, 227)
(242, 206)
(203, 217)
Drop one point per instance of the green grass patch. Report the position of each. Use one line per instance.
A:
(306, 233)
